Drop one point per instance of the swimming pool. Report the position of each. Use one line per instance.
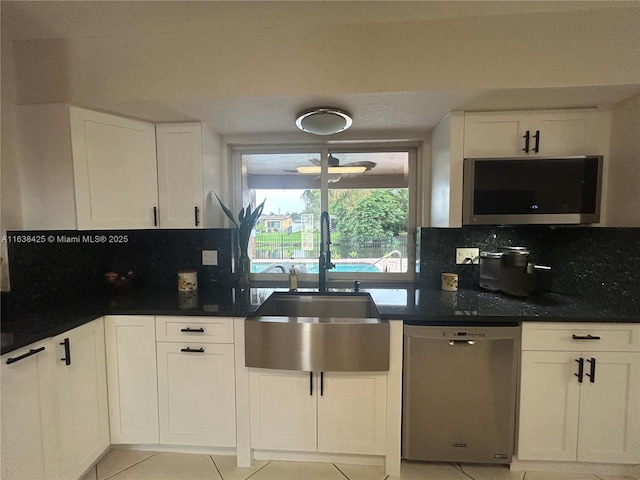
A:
(313, 267)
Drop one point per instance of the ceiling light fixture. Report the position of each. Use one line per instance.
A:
(324, 121)
(316, 169)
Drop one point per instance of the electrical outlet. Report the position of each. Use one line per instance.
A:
(464, 254)
(209, 257)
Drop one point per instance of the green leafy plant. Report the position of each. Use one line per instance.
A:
(246, 220)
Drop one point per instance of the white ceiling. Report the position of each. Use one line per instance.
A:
(393, 114)
(72, 19)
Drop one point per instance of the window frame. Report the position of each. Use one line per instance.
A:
(239, 189)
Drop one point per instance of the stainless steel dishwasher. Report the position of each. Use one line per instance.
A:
(459, 393)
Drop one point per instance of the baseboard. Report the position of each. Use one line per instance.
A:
(318, 457)
(156, 447)
(576, 467)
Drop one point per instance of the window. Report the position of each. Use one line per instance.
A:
(367, 192)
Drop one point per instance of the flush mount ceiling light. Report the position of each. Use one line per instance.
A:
(323, 121)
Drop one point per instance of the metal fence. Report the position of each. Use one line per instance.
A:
(286, 247)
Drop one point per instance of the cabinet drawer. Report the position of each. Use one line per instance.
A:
(194, 329)
(594, 337)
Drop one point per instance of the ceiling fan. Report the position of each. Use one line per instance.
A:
(335, 167)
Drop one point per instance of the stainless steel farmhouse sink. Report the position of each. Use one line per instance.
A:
(317, 332)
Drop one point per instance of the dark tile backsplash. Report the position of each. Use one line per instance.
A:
(602, 264)
(70, 262)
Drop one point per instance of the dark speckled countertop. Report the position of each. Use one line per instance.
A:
(25, 322)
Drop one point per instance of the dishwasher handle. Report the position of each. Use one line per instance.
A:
(461, 342)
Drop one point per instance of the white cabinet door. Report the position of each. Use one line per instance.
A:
(132, 378)
(283, 410)
(196, 394)
(536, 133)
(80, 392)
(352, 413)
(27, 431)
(609, 428)
(114, 163)
(495, 134)
(549, 406)
(564, 133)
(180, 182)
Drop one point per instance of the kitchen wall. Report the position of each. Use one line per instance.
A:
(111, 71)
(72, 263)
(10, 205)
(594, 263)
(623, 197)
(572, 48)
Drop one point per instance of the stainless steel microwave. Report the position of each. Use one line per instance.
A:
(540, 190)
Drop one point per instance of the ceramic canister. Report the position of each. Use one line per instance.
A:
(449, 282)
(187, 280)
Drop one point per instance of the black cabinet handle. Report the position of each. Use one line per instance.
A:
(321, 384)
(585, 337)
(155, 216)
(526, 142)
(193, 330)
(196, 210)
(592, 374)
(536, 149)
(580, 369)
(67, 352)
(192, 350)
(33, 351)
(311, 383)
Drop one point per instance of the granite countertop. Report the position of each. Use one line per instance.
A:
(25, 321)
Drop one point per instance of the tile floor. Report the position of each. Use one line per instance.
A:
(138, 465)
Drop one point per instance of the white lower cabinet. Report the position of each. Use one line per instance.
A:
(80, 397)
(282, 410)
(578, 402)
(27, 430)
(609, 427)
(196, 394)
(55, 419)
(313, 411)
(196, 381)
(352, 413)
(132, 378)
(171, 380)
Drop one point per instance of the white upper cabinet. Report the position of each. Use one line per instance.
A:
(180, 178)
(114, 164)
(536, 133)
(495, 134)
(86, 170)
(541, 133)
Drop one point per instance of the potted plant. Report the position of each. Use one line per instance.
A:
(246, 221)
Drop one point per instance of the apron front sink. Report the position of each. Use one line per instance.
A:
(317, 332)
